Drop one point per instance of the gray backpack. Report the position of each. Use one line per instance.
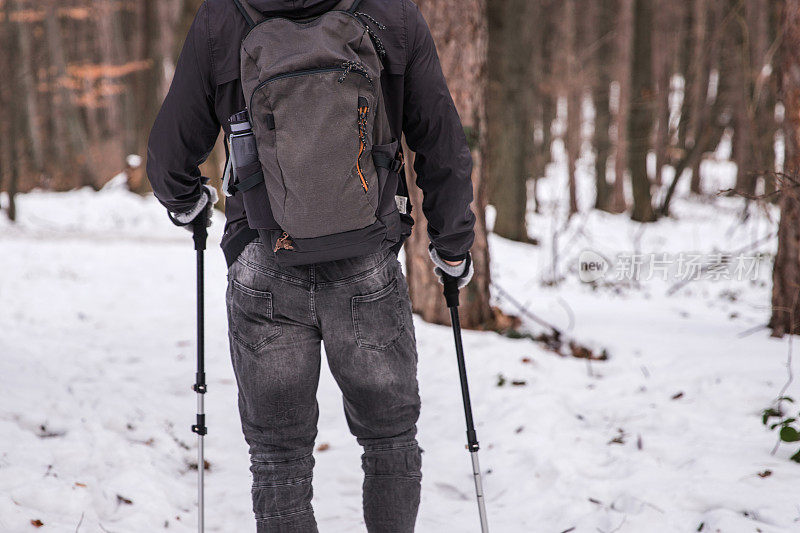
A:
(314, 157)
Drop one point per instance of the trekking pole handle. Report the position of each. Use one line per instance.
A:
(450, 290)
(200, 232)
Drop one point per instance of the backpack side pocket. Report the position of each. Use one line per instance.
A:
(256, 200)
(387, 166)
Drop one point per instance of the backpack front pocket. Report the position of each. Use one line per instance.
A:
(322, 121)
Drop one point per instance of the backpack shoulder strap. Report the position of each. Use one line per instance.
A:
(251, 15)
(354, 7)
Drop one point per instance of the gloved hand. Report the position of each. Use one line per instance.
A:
(203, 208)
(462, 272)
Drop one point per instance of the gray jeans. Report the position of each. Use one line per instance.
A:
(277, 317)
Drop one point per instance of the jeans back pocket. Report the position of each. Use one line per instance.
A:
(378, 318)
(252, 325)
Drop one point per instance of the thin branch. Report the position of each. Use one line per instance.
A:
(524, 310)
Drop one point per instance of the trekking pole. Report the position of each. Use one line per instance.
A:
(451, 297)
(200, 234)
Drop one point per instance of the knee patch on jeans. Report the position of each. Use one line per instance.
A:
(397, 459)
(281, 485)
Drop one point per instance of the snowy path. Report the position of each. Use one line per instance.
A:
(96, 363)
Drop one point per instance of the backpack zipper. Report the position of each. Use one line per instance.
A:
(305, 72)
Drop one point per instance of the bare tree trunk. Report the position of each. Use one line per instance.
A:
(661, 133)
(603, 27)
(462, 46)
(126, 50)
(743, 146)
(624, 49)
(75, 134)
(9, 41)
(641, 117)
(548, 103)
(71, 140)
(534, 83)
(16, 64)
(697, 86)
(111, 56)
(668, 26)
(572, 137)
(29, 90)
(509, 115)
(545, 92)
(602, 144)
(714, 109)
(763, 93)
(786, 270)
(753, 51)
(151, 80)
(13, 182)
(742, 109)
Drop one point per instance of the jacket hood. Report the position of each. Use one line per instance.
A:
(293, 7)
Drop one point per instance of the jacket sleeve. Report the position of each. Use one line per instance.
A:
(433, 130)
(186, 127)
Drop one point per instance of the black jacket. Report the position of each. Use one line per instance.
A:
(205, 91)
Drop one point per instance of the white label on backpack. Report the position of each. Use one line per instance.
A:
(402, 204)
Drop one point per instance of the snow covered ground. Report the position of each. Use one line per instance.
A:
(97, 359)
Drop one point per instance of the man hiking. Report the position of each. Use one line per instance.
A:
(313, 96)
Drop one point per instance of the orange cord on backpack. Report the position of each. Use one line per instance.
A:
(362, 135)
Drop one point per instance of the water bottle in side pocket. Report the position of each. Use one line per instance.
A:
(243, 171)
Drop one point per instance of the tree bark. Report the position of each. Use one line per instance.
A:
(29, 95)
(71, 141)
(462, 44)
(10, 42)
(669, 23)
(572, 137)
(508, 114)
(151, 80)
(761, 27)
(786, 270)
(697, 87)
(624, 46)
(755, 128)
(641, 116)
(545, 92)
(601, 138)
(742, 107)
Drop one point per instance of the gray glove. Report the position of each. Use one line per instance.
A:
(204, 206)
(462, 272)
